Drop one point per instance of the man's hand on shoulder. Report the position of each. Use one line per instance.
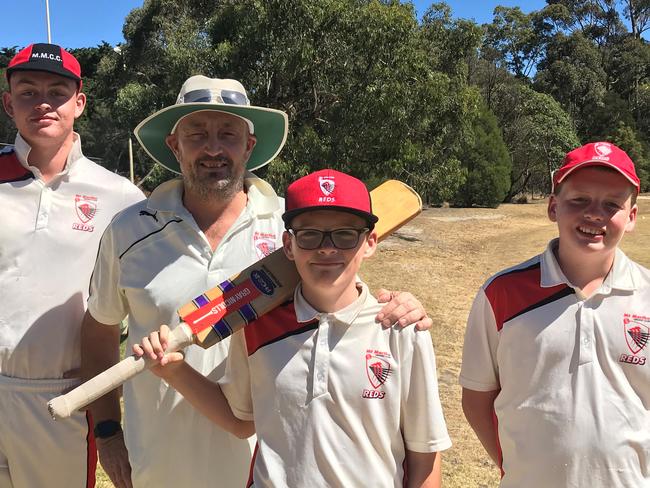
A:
(401, 308)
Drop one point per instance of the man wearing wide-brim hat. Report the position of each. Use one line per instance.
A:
(192, 234)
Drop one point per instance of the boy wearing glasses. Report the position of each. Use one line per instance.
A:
(334, 399)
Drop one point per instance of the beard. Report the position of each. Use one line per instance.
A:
(221, 184)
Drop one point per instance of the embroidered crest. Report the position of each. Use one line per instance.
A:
(264, 243)
(327, 185)
(637, 335)
(603, 149)
(636, 329)
(86, 207)
(378, 370)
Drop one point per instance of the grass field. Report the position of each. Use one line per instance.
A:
(442, 257)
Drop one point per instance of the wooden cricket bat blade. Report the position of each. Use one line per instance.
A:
(228, 307)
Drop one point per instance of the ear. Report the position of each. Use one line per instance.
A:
(172, 143)
(7, 104)
(250, 145)
(286, 245)
(552, 208)
(80, 104)
(370, 245)
(631, 219)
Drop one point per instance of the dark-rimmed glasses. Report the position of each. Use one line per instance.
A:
(310, 239)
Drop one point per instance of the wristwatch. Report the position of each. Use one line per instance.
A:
(107, 428)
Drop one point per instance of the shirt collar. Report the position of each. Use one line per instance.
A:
(23, 149)
(262, 199)
(306, 313)
(622, 276)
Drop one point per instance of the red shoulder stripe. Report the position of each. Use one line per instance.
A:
(11, 169)
(519, 291)
(274, 326)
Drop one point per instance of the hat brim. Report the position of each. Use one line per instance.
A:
(371, 219)
(271, 128)
(52, 70)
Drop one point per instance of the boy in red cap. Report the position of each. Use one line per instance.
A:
(556, 382)
(56, 204)
(334, 399)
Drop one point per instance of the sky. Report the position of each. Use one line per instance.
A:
(86, 23)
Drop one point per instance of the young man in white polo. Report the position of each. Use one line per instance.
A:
(55, 206)
(334, 399)
(555, 373)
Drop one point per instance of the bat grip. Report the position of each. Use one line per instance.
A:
(64, 405)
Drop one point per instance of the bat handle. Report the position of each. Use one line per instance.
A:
(63, 405)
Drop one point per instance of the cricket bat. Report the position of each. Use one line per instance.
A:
(228, 307)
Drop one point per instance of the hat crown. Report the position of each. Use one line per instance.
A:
(201, 89)
(599, 153)
(50, 58)
(328, 189)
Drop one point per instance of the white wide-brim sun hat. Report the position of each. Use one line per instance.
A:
(200, 93)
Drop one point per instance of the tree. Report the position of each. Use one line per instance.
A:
(638, 13)
(513, 36)
(628, 67)
(367, 88)
(7, 128)
(572, 73)
(487, 163)
(537, 132)
(627, 139)
(596, 20)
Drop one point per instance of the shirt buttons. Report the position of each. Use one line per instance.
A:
(321, 377)
(585, 341)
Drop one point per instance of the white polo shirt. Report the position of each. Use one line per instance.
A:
(573, 374)
(336, 398)
(152, 260)
(49, 237)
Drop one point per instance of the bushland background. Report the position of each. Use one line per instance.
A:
(465, 113)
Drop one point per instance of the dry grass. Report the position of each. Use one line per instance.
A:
(442, 257)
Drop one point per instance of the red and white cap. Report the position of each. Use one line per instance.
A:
(328, 189)
(46, 57)
(597, 154)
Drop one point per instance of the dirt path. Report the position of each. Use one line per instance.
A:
(443, 256)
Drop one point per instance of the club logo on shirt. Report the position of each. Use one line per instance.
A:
(637, 335)
(264, 243)
(378, 370)
(86, 209)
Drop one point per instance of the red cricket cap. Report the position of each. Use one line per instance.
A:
(46, 57)
(328, 189)
(597, 154)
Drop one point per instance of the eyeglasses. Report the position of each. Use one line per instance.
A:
(310, 239)
(229, 97)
